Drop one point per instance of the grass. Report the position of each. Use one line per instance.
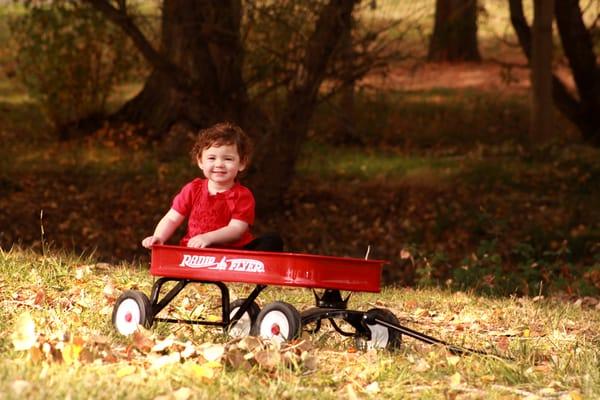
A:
(334, 162)
(554, 345)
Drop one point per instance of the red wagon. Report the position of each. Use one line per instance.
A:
(326, 276)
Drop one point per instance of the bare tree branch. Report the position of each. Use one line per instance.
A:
(122, 19)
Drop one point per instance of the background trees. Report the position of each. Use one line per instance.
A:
(581, 108)
(436, 167)
(454, 35)
(201, 72)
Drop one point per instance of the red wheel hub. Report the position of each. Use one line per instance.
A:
(128, 317)
(275, 330)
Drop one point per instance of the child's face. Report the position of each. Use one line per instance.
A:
(221, 164)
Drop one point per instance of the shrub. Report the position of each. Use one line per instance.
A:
(69, 57)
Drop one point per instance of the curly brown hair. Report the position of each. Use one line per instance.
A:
(224, 133)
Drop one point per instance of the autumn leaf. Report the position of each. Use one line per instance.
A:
(268, 359)
(183, 393)
(125, 371)
(141, 341)
(211, 351)
(70, 353)
(372, 388)
(24, 335)
(20, 387)
(503, 343)
(452, 360)
(162, 345)
(205, 370)
(455, 380)
(235, 358)
(168, 359)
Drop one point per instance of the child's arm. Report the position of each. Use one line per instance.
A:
(164, 229)
(230, 233)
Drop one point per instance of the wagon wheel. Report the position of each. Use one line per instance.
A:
(382, 337)
(278, 320)
(132, 308)
(244, 325)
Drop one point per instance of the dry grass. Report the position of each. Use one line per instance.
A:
(553, 345)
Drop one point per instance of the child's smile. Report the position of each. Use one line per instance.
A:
(220, 165)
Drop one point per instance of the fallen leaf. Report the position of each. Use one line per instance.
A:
(141, 341)
(24, 336)
(183, 393)
(35, 354)
(503, 343)
(162, 345)
(40, 297)
(189, 350)
(575, 395)
(455, 380)
(250, 343)
(125, 371)
(350, 392)
(211, 351)
(70, 353)
(204, 371)
(452, 360)
(19, 386)
(268, 359)
(310, 362)
(372, 388)
(421, 366)
(235, 358)
(168, 359)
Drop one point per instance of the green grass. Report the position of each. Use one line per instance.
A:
(554, 345)
(335, 162)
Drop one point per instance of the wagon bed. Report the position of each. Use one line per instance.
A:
(267, 268)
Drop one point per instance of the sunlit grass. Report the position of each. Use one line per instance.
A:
(355, 163)
(553, 345)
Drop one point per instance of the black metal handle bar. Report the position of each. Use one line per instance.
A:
(431, 340)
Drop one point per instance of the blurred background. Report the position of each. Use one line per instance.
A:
(458, 138)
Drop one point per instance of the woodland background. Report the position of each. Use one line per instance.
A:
(404, 126)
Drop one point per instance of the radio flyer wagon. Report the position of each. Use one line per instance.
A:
(327, 276)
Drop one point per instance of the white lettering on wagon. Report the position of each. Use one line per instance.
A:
(224, 264)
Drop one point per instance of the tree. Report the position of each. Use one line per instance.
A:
(541, 71)
(454, 35)
(201, 74)
(581, 108)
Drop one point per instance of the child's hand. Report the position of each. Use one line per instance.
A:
(150, 241)
(199, 241)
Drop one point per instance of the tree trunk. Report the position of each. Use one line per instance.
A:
(455, 31)
(542, 122)
(579, 49)
(280, 148)
(582, 112)
(345, 127)
(200, 40)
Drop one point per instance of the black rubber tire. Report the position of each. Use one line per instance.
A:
(382, 337)
(252, 313)
(131, 309)
(278, 319)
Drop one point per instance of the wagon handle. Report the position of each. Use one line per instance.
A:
(431, 340)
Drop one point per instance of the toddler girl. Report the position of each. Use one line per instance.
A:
(219, 209)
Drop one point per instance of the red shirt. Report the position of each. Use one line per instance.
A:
(207, 212)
